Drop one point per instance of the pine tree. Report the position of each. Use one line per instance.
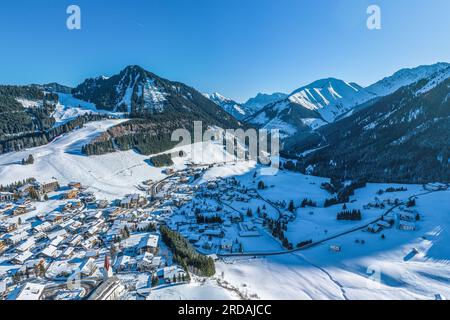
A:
(291, 206)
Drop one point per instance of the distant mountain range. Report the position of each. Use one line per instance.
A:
(327, 100)
(155, 105)
(394, 130)
(242, 111)
(401, 137)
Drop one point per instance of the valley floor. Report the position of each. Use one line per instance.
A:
(399, 265)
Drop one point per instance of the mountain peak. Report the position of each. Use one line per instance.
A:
(405, 77)
(217, 97)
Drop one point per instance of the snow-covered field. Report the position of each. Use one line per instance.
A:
(318, 273)
(207, 290)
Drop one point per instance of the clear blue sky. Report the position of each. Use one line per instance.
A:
(236, 47)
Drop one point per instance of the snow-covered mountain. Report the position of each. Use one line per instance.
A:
(242, 111)
(230, 106)
(402, 137)
(311, 106)
(326, 100)
(132, 90)
(405, 77)
(262, 99)
(142, 94)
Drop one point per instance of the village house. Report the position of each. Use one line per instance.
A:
(123, 263)
(171, 273)
(149, 244)
(68, 253)
(21, 258)
(31, 291)
(88, 267)
(50, 252)
(3, 246)
(3, 289)
(144, 262)
(15, 238)
(27, 245)
(407, 216)
(384, 224)
(6, 196)
(75, 185)
(130, 201)
(71, 194)
(6, 227)
(214, 233)
(226, 244)
(335, 248)
(43, 227)
(20, 210)
(102, 204)
(374, 228)
(248, 229)
(48, 187)
(111, 289)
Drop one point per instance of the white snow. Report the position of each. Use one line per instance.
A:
(69, 108)
(29, 103)
(154, 97)
(318, 273)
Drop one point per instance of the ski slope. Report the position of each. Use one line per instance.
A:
(110, 176)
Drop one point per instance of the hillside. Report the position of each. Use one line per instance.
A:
(402, 137)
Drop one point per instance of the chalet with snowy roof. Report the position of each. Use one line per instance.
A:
(68, 253)
(407, 216)
(48, 187)
(75, 240)
(384, 224)
(123, 263)
(88, 267)
(226, 244)
(26, 189)
(149, 244)
(31, 291)
(171, 273)
(21, 258)
(43, 227)
(50, 252)
(15, 238)
(374, 228)
(26, 245)
(144, 262)
(3, 289)
(131, 201)
(216, 232)
(71, 194)
(20, 210)
(6, 196)
(89, 243)
(248, 229)
(75, 185)
(6, 227)
(3, 246)
(111, 289)
(58, 233)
